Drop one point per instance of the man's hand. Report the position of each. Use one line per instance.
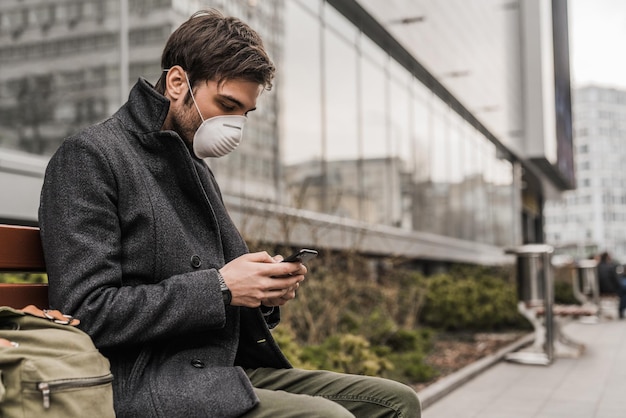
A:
(258, 278)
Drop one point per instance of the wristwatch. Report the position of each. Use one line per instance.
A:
(226, 295)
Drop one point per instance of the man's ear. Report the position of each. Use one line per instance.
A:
(176, 83)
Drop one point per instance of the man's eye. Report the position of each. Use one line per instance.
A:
(228, 108)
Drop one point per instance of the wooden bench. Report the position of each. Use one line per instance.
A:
(21, 251)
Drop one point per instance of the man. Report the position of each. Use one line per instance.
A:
(139, 246)
(609, 281)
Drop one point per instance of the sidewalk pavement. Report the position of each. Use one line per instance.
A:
(591, 386)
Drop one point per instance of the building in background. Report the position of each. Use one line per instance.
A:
(438, 128)
(592, 218)
(65, 64)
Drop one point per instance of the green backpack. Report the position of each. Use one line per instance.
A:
(50, 368)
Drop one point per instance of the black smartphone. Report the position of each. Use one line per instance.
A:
(301, 256)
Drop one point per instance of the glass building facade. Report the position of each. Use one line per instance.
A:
(363, 137)
(352, 129)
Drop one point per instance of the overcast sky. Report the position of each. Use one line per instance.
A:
(597, 42)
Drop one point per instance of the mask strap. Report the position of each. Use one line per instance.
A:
(193, 98)
(190, 92)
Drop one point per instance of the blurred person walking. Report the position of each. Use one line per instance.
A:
(609, 282)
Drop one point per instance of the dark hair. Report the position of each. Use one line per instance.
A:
(605, 257)
(211, 46)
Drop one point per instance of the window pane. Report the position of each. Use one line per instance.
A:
(373, 95)
(299, 78)
(300, 85)
(401, 149)
(341, 177)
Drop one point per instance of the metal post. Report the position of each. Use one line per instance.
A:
(535, 291)
(588, 280)
(548, 301)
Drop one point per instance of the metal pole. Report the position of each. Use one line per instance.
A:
(548, 303)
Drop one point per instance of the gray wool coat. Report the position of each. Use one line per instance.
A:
(133, 228)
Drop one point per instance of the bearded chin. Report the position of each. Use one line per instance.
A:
(184, 125)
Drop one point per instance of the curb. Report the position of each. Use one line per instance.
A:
(441, 388)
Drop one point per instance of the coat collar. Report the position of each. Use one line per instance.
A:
(145, 110)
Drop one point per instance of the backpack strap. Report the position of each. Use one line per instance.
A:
(51, 315)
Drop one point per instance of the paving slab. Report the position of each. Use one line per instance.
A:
(590, 386)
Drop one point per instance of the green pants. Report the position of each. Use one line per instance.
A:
(304, 393)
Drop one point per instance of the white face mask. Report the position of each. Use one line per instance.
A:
(217, 136)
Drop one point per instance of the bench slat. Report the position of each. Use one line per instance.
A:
(23, 294)
(21, 251)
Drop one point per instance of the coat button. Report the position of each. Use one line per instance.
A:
(198, 364)
(195, 261)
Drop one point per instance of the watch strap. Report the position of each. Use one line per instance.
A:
(226, 294)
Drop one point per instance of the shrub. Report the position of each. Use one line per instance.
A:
(471, 303)
(23, 278)
(347, 353)
(564, 293)
(563, 286)
(410, 368)
(407, 350)
(285, 338)
(347, 319)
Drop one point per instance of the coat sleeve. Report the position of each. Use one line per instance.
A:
(82, 241)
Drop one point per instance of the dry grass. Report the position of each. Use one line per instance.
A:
(453, 351)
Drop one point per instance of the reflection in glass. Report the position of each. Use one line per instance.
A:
(346, 130)
(340, 94)
(400, 146)
(299, 81)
